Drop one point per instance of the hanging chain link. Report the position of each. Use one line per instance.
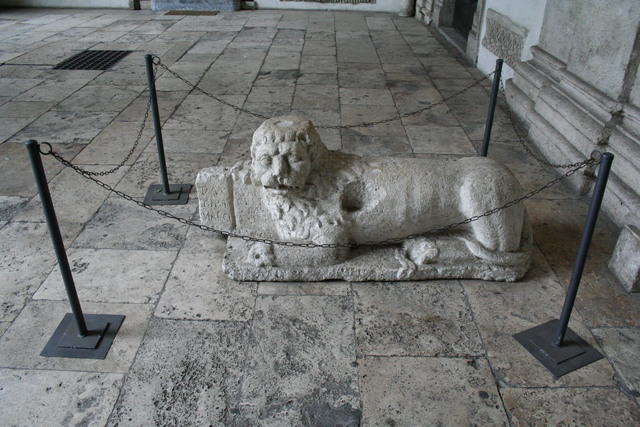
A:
(131, 151)
(158, 62)
(388, 242)
(135, 143)
(90, 175)
(522, 139)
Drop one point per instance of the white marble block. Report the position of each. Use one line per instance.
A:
(294, 189)
(625, 261)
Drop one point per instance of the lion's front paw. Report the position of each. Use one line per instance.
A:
(420, 251)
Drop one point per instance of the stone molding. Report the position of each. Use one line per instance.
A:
(567, 119)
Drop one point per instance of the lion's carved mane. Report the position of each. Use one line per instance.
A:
(313, 212)
(307, 214)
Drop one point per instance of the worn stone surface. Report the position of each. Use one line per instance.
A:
(436, 391)
(26, 258)
(601, 300)
(113, 144)
(414, 319)
(197, 289)
(501, 311)
(622, 348)
(570, 406)
(74, 200)
(356, 197)
(138, 278)
(302, 362)
(198, 111)
(34, 326)
(182, 168)
(439, 139)
(100, 98)
(30, 397)
(120, 224)
(10, 206)
(72, 127)
(301, 289)
(15, 169)
(186, 373)
(366, 145)
(191, 141)
(233, 54)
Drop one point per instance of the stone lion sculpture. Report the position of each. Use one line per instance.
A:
(295, 189)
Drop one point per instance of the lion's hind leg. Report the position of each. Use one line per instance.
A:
(501, 231)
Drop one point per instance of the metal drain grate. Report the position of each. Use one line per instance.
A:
(92, 60)
(193, 12)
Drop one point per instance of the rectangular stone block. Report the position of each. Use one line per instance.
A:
(215, 198)
(625, 261)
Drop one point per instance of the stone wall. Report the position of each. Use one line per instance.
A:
(580, 91)
(572, 77)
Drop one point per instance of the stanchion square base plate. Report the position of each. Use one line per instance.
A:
(66, 342)
(573, 354)
(178, 195)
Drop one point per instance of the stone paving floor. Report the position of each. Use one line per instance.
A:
(197, 348)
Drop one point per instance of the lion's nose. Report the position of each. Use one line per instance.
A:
(280, 166)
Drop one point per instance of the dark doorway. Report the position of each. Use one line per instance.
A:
(463, 16)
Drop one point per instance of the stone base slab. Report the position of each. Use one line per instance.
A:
(371, 264)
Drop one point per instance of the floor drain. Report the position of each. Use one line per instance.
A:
(92, 60)
(193, 12)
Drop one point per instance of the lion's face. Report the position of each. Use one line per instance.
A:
(281, 166)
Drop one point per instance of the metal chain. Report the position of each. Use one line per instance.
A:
(522, 139)
(131, 151)
(364, 124)
(388, 242)
(135, 143)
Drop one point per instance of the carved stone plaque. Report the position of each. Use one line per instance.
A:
(504, 38)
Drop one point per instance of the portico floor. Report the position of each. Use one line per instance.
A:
(197, 348)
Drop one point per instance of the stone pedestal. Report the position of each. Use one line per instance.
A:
(625, 262)
(362, 218)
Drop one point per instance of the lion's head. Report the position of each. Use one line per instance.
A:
(284, 152)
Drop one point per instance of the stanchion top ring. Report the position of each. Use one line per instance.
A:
(47, 152)
(596, 156)
(155, 59)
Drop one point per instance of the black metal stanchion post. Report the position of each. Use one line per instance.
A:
(78, 335)
(492, 108)
(162, 194)
(556, 346)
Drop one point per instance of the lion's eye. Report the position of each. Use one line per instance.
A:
(265, 160)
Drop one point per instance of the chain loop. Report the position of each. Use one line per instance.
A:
(573, 168)
(135, 143)
(364, 124)
(45, 153)
(88, 175)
